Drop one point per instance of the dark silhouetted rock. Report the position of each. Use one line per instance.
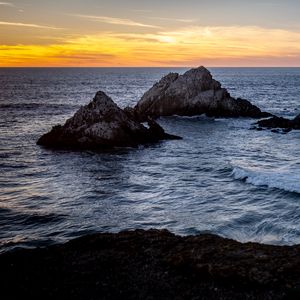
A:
(153, 264)
(193, 93)
(102, 124)
(279, 122)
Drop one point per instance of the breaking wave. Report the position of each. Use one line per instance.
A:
(282, 178)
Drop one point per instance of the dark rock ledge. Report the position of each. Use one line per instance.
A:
(102, 124)
(152, 264)
(278, 122)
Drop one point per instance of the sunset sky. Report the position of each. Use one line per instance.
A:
(149, 33)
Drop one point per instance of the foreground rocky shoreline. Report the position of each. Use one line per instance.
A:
(153, 264)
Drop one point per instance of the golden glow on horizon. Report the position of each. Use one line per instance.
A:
(188, 46)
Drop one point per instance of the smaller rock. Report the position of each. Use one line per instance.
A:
(102, 124)
(275, 130)
(279, 122)
(286, 130)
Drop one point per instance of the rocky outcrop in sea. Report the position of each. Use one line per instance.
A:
(193, 93)
(279, 122)
(102, 124)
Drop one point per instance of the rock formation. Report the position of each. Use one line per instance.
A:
(102, 124)
(152, 264)
(279, 122)
(193, 93)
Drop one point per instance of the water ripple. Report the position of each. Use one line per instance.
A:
(221, 178)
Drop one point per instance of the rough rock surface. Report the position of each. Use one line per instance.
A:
(102, 124)
(279, 122)
(193, 93)
(152, 264)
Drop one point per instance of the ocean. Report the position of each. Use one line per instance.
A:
(220, 178)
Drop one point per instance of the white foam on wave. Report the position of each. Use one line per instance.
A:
(281, 178)
(195, 117)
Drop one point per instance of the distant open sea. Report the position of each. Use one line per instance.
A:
(221, 178)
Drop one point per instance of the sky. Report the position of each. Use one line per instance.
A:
(132, 33)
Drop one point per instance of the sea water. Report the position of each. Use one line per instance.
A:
(221, 178)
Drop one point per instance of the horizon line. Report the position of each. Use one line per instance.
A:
(140, 67)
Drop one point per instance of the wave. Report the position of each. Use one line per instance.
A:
(10, 218)
(283, 178)
(33, 106)
(194, 117)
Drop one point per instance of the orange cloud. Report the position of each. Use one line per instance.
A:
(213, 46)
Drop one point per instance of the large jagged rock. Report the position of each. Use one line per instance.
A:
(279, 122)
(102, 124)
(193, 93)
